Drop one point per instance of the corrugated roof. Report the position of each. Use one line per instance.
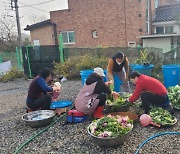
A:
(38, 25)
(167, 13)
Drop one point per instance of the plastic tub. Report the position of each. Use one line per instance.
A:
(117, 83)
(75, 116)
(171, 75)
(85, 73)
(142, 69)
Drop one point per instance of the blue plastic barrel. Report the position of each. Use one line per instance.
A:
(85, 73)
(142, 69)
(171, 75)
(117, 83)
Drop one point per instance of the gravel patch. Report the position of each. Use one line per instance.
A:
(69, 138)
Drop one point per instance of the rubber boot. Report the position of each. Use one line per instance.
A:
(98, 112)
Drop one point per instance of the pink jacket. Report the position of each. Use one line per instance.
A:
(86, 101)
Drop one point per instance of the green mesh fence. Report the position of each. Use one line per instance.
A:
(173, 56)
(37, 58)
(12, 56)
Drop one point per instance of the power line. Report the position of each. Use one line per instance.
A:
(34, 7)
(31, 11)
(37, 3)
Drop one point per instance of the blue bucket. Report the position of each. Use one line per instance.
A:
(171, 75)
(117, 83)
(85, 73)
(142, 69)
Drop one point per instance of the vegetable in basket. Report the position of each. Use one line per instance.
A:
(111, 126)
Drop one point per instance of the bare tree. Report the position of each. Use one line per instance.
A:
(8, 36)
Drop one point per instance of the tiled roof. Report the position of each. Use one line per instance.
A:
(38, 25)
(167, 13)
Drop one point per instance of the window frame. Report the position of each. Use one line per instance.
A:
(168, 27)
(164, 29)
(160, 27)
(68, 37)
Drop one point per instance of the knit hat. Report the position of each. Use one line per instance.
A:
(99, 71)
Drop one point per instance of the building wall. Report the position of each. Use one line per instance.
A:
(164, 43)
(117, 22)
(45, 35)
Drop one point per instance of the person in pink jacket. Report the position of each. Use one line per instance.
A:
(92, 96)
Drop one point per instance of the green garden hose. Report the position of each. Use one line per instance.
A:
(39, 133)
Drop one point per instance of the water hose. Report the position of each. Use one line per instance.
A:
(152, 137)
(39, 133)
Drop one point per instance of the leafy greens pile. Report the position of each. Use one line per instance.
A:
(111, 126)
(174, 96)
(161, 116)
(117, 101)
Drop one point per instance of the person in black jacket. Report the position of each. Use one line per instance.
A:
(118, 65)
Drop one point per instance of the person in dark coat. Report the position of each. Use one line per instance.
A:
(92, 97)
(39, 92)
(119, 65)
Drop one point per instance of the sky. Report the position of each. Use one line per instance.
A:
(32, 10)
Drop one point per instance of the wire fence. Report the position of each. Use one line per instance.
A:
(12, 56)
(36, 58)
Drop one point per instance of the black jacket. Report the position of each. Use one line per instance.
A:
(101, 87)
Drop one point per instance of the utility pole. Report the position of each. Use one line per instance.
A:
(18, 28)
(18, 24)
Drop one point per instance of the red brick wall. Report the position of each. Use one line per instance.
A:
(114, 25)
(45, 35)
(117, 22)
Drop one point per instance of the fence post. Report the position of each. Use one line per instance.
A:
(61, 58)
(29, 65)
(21, 58)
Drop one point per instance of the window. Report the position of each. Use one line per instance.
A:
(159, 30)
(147, 14)
(164, 30)
(156, 3)
(94, 34)
(68, 37)
(147, 27)
(168, 29)
(147, 3)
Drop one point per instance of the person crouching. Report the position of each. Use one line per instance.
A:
(92, 97)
